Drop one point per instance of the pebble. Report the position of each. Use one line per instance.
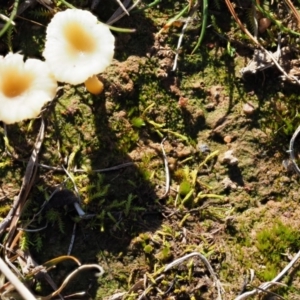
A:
(204, 148)
(248, 109)
(228, 183)
(229, 158)
(288, 165)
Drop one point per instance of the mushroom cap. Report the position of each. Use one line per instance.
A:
(77, 46)
(24, 87)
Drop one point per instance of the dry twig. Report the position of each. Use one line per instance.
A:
(13, 279)
(166, 168)
(117, 15)
(255, 41)
(15, 212)
(266, 285)
(207, 264)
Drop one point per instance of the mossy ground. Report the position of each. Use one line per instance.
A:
(253, 224)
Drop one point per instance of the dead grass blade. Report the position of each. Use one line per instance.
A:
(294, 10)
(254, 40)
(207, 264)
(123, 7)
(119, 13)
(13, 279)
(70, 276)
(264, 286)
(233, 13)
(53, 262)
(26, 184)
(167, 171)
(14, 214)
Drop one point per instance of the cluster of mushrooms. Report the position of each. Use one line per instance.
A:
(77, 48)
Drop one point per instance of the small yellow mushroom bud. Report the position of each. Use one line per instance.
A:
(94, 85)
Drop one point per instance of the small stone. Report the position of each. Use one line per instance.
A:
(210, 106)
(228, 183)
(288, 165)
(215, 91)
(182, 102)
(204, 148)
(172, 162)
(248, 109)
(229, 159)
(184, 152)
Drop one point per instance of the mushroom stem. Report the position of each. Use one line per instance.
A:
(79, 210)
(81, 213)
(94, 85)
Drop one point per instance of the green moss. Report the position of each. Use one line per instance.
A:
(148, 249)
(97, 132)
(269, 273)
(4, 209)
(165, 254)
(274, 244)
(184, 188)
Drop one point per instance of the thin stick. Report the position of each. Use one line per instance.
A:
(9, 263)
(72, 239)
(118, 12)
(15, 212)
(45, 4)
(282, 273)
(207, 264)
(255, 21)
(68, 278)
(233, 13)
(73, 181)
(12, 16)
(266, 285)
(76, 204)
(291, 150)
(114, 19)
(32, 230)
(253, 39)
(149, 288)
(187, 21)
(294, 10)
(123, 7)
(31, 21)
(13, 279)
(177, 195)
(167, 171)
(121, 166)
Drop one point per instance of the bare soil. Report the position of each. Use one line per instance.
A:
(230, 197)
